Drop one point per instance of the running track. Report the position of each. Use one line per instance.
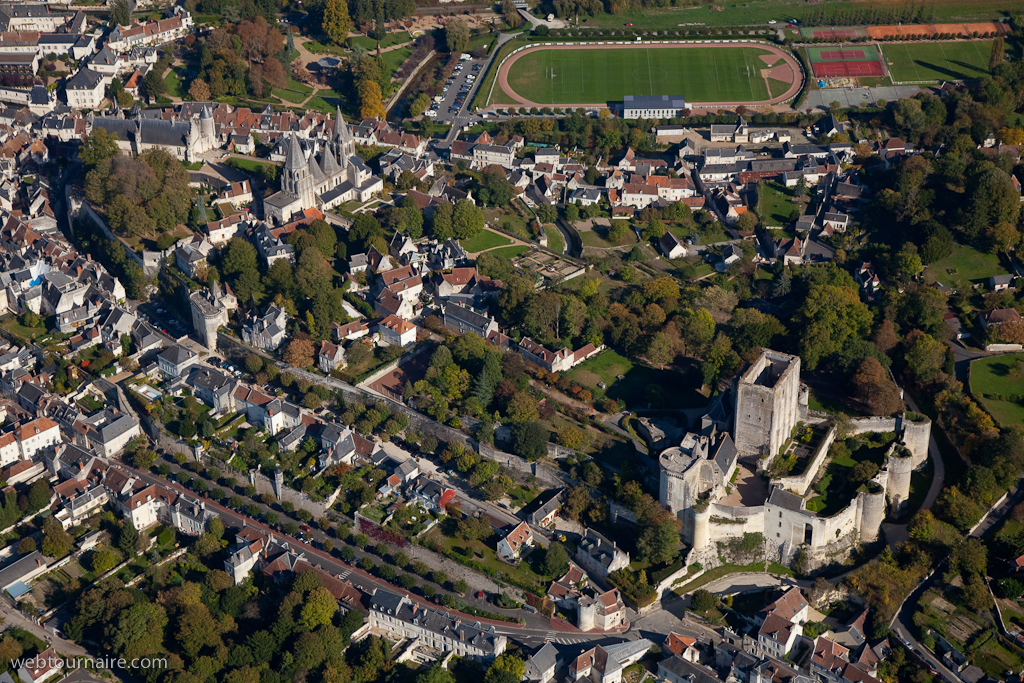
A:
(788, 61)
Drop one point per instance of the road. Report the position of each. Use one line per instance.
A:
(904, 617)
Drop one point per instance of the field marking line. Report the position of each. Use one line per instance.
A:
(981, 56)
(912, 62)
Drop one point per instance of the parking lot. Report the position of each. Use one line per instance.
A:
(157, 315)
(457, 90)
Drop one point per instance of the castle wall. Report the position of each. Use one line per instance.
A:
(865, 425)
(800, 484)
(916, 437)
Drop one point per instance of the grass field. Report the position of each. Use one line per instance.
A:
(640, 384)
(759, 12)
(938, 61)
(714, 74)
(777, 205)
(556, 242)
(509, 252)
(486, 239)
(395, 58)
(999, 375)
(965, 266)
(368, 43)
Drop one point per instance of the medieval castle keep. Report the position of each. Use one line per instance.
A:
(770, 401)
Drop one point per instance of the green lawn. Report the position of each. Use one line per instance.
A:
(485, 555)
(395, 58)
(641, 384)
(965, 266)
(594, 238)
(488, 39)
(556, 242)
(577, 76)
(776, 204)
(173, 82)
(726, 569)
(390, 39)
(486, 239)
(248, 164)
(319, 48)
(294, 91)
(999, 375)
(11, 324)
(938, 61)
(742, 13)
(840, 489)
(510, 252)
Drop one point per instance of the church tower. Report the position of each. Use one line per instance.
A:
(297, 178)
(343, 143)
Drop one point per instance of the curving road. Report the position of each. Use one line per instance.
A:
(795, 72)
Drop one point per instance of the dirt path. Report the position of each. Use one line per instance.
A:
(790, 65)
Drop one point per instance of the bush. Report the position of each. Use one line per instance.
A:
(703, 601)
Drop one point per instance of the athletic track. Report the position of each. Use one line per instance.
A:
(788, 67)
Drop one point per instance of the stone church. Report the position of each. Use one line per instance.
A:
(141, 130)
(337, 177)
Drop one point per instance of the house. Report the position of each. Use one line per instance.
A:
(672, 246)
(565, 590)
(782, 623)
(837, 221)
(85, 90)
(605, 663)
(677, 669)
(37, 435)
(41, 667)
(998, 283)
(331, 357)
(14, 577)
(683, 646)
(174, 360)
(599, 556)
(740, 132)
(999, 316)
(397, 617)
(546, 513)
(585, 196)
(460, 320)
(107, 431)
(603, 612)
(511, 546)
(541, 666)
(349, 331)
(267, 331)
(396, 332)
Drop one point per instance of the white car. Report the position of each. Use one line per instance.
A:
(431, 112)
(772, 21)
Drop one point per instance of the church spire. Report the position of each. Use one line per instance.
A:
(294, 159)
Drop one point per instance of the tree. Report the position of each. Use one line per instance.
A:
(127, 537)
(456, 35)
(510, 14)
(925, 357)
(997, 56)
(10, 649)
(299, 353)
(103, 560)
(56, 542)
(529, 440)
(829, 316)
(153, 83)
(26, 545)
(417, 107)
(436, 674)
(199, 91)
(702, 601)
(336, 23)
(971, 557)
(318, 609)
(467, 219)
(121, 13)
(659, 543)
(556, 560)
(98, 147)
(876, 389)
(371, 100)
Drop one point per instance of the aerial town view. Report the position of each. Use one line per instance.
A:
(449, 341)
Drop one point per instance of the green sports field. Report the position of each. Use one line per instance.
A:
(585, 76)
(870, 53)
(938, 61)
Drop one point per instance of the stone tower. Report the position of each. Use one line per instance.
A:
(342, 142)
(297, 179)
(767, 404)
(210, 310)
(207, 130)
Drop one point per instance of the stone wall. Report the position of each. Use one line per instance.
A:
(801, 483)
(916, 436)
(301, 501)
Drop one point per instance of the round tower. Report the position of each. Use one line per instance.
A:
(897, 486)
(872, 512)
(917, 433)
(702, 528)
(206, 127)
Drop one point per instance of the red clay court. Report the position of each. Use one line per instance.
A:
(847, 69)
(834, 33)
(841, 55)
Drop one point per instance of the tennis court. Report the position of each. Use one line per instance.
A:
(847, 69)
